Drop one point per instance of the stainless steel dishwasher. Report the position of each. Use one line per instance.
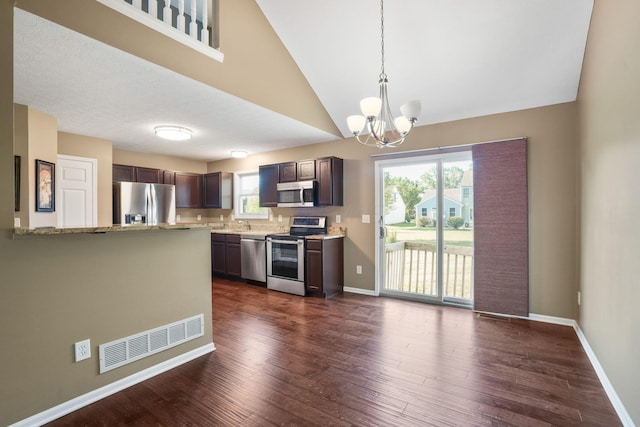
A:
(254, 258)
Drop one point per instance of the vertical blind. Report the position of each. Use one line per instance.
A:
(501, 248)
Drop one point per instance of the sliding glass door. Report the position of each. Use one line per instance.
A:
(425, 233)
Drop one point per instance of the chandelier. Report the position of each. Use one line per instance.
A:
(382, 130)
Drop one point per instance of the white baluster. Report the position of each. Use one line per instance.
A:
(153, 8)
(137, 4)
(193, 27)
(204, 34)
(181, 18)
(166, 12)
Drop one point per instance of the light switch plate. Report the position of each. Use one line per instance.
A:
(366, 219)
(338, 219)
(16, 222)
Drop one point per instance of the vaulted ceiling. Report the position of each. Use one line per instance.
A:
(461, 59)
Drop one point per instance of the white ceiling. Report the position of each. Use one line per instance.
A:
(461, 59)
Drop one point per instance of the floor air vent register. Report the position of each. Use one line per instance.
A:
(135, 347)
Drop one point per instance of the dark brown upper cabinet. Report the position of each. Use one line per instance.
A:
(268, 175)
(288, 172)
(306, 170)
(148, 175)
(218, 190)
(126, 173)
(169, 177)
(329, 171)
(188, 190)
(123, 173)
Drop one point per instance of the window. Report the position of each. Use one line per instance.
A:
(452, 211)
(246, 190)
(466, 191)
(424, 212)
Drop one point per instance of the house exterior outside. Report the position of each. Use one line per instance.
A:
(456, 202)
(428, 206)
(396, 208)
(466, 195)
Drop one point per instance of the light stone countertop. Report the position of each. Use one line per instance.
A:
(53, 231)
(332, 232)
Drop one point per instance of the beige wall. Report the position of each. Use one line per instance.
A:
(158, 161)
(552, 194)
(59, 290)
(37, 138)
(101, 150)
(609, 106)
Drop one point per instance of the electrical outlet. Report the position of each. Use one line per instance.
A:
(579, 298)
(199, 217)
(338, 219)
(221, 218)
(366, 219)
(279, 218)
(83, 350)
(358, 269)
(177, 218)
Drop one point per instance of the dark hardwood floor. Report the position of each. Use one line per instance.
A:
(364, 361)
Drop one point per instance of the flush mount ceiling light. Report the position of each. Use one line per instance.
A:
(238, 154)
(382, 129)
(174, 133)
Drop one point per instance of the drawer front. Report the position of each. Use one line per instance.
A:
(314, 245)
(233, 238)
(218, 237)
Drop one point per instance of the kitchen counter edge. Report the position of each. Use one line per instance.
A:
(53, 231)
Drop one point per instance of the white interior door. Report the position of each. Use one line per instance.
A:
(76, 192)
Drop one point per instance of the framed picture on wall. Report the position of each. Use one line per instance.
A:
(45, 186)
(16, 182)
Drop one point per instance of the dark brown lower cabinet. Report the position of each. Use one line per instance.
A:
(234, 262)
(225, 255)
(324, 264)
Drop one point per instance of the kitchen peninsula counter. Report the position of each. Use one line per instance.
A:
(53, 231)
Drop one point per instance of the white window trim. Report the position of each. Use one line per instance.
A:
(236, 198)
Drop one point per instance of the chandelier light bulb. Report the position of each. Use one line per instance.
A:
(403, 125)
(356, 124)
(371, 106)
(411, 110)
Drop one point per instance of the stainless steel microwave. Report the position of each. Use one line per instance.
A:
(297, 194)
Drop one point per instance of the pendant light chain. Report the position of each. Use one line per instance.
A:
(382, 74)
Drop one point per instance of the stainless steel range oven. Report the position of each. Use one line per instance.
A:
(285, 254)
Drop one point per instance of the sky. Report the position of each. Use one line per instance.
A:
(413, 172)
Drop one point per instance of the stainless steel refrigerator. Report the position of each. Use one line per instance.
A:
(136, 203)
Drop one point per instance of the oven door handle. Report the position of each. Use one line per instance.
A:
(286, 242)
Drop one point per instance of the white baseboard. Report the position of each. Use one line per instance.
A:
(95, 395)
(625, 418)
(555, 320)
(359, 291)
